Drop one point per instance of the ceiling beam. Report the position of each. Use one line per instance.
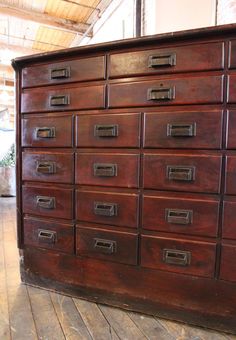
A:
(43, 18)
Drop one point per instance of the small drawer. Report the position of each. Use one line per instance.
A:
(231, 131)
(229, 218)
(198, 57)
(191, 216)
(228, 263)
(182, 172)
(50, 202)
(188, 130)
(230, 180)
(64, 72)
(47, 167)
(178, 256)
(111, 208)
(231, 92)
(120, 170)
(47, 131)
(62, 98)
(232, 54)
(116, 130)
(107, 245)
(49, 235)
(163, 91)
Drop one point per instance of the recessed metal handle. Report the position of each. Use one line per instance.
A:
(104, 170)
(106, 130)
(104, 246)
(180, 173)
(46, 202)
(60, 100)
(46, 167)
(46, 236)
(60, 73)
(45, 132)
(177, 257)
(161, 93)
(161, 60)
(181, 130)
(105, 209)
(177, 216)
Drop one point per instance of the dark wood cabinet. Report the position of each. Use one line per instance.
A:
(126, 171)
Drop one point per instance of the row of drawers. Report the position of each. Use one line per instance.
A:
(194, 57)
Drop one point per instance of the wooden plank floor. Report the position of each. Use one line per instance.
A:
(30, 313)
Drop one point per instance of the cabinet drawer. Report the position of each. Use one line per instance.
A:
(47, 167)
(232, 54)
(229, 218)
(231, 88)
(121, 170)
(49, 235)
(193, 130)
(179, 256)
(107, 245)
(51, 202)
(231, 131)
(183, 172)
(230, 182)
(111, 208)
(228, 263)
(193, 216)
(47, 131)
(163, 91)
(64, 72)
(62, 98)
(167, 60)
(116, 130)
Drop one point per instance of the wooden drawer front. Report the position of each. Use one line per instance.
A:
(47, 132)
(194, 130)
(183, 172)
(44, 201)
(62, 98)
(229, 218)
(64, 72)
(231, 88)
(228, 263)
(50, 235)
(179, 256)
(230, 183)
(188, 90)
(116, 130)
(181, 215)
(107, 208)
(232, 54)
(107, 245)
(47, 167)
(121, 170)
(231, 131)
(164, 60)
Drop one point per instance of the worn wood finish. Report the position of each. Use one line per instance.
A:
(230, 182)
(228, 266)
(229, 223)
(231, 133)
(232, 50)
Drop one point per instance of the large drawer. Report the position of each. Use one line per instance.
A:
(118, 209)
(50, 202)
(49, 235)
(48, 166)
(107, 245)
(230, 181)
(183, 215)
(186, 129)
(164, 91)
(47, 131)
(179, 256)
(231, 131)
(62, 98)
(108, 130)
(228, 263)
(64, 72)
(229, 218)
(120, 170)
(197, 57)
(182, 172)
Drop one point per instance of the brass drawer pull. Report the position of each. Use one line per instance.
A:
(177, 257)
(161, 93)
(104, 246)
(45, 202)
(180, 173)
(104, 170)
(177, 216)
(60, 100)
(106, 130)
(181, 130)
(45, 132)
(46, 236)
(105, 209)
(162, 59)
(60, 73)
(46, 167)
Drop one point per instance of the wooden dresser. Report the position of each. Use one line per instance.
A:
(127, 173)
